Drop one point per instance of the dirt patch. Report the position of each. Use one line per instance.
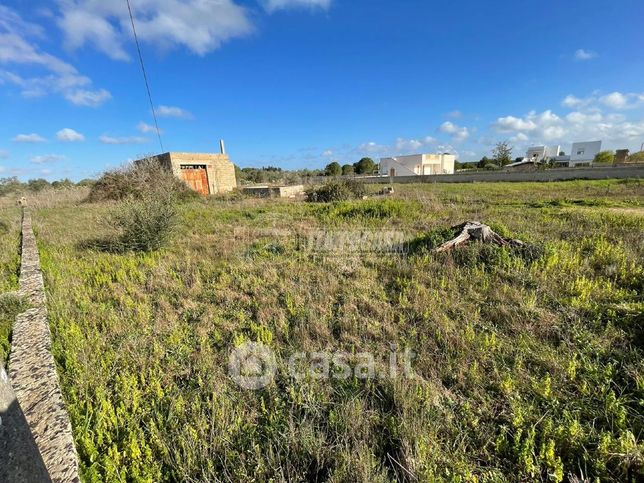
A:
(628, 211)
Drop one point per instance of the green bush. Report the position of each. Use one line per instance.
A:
(145, 224)
(341, 190)
(137, 181)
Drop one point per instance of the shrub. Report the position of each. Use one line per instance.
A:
(145, 224)
(137, 181)
(341, 190)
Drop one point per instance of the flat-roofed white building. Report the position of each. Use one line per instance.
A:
(542, 153)
(584, 152)
(417, 165)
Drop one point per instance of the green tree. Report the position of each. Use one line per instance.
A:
(348, 169)
(62, 184)
(333, 169)
(9, 185)
(604, 157)
(365, 166)
(37, 184)
(637, 157)
(483, 162)
(502, 153)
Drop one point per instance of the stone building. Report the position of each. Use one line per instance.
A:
(205, 173)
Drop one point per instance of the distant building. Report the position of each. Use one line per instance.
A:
(585, 152)
(542, 153)
(418, 165)
(205, 173)
(525, 164)
(581, 153)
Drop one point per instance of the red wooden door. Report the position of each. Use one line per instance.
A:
(197, 178)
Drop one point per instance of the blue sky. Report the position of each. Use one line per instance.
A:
(299, 83)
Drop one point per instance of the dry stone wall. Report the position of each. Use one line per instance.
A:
(32, 370)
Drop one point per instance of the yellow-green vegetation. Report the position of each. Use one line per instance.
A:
(9, 248)
(528, 367)
(10, 305)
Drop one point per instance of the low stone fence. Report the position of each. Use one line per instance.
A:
(33, 378)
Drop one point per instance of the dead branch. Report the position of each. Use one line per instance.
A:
(476, 231)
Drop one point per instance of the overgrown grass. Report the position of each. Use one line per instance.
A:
(10, 306)
(527, 368)
(9, 249)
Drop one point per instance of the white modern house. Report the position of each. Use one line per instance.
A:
(542, 153)
(584, 152)
(581, 153)
(417, 165)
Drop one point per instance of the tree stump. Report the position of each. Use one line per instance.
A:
(476, 231)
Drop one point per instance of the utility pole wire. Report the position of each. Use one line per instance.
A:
(145, 76)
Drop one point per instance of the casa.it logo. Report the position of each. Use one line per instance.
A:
(252, 365)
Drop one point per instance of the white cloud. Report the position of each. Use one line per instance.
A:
(577, 117)
(18, 49)
(408, 144)
(69, 135)
(122, 140)
(201, 26)
(47, 158)
(616, 100)
(582, 54)
(82, 97)
(458, 133)
(404, 145)
(574, 102)
(273, 5)
(511, 123)
(29, 138)
(587, 122)
(456, 114)
(328, 153)
(613, 100)
(170, 111)
(4, 154)
(373, 148)
(147, 128)
(519, 138)
(545, 126)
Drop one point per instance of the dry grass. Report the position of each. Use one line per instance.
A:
(49, 198)
(526, 369)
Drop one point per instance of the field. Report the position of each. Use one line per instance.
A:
(10, 306)
(528, 364)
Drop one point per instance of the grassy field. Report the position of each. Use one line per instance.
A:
(528, 364)
(10, 306)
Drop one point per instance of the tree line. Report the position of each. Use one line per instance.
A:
(14, 185)
(364, 166)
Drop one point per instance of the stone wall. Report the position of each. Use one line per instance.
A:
(33, 377)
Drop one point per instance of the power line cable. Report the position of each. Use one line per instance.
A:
(145, 76)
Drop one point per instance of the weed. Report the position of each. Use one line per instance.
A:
(340, 190)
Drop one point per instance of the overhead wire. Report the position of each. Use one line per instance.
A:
(145, 75)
